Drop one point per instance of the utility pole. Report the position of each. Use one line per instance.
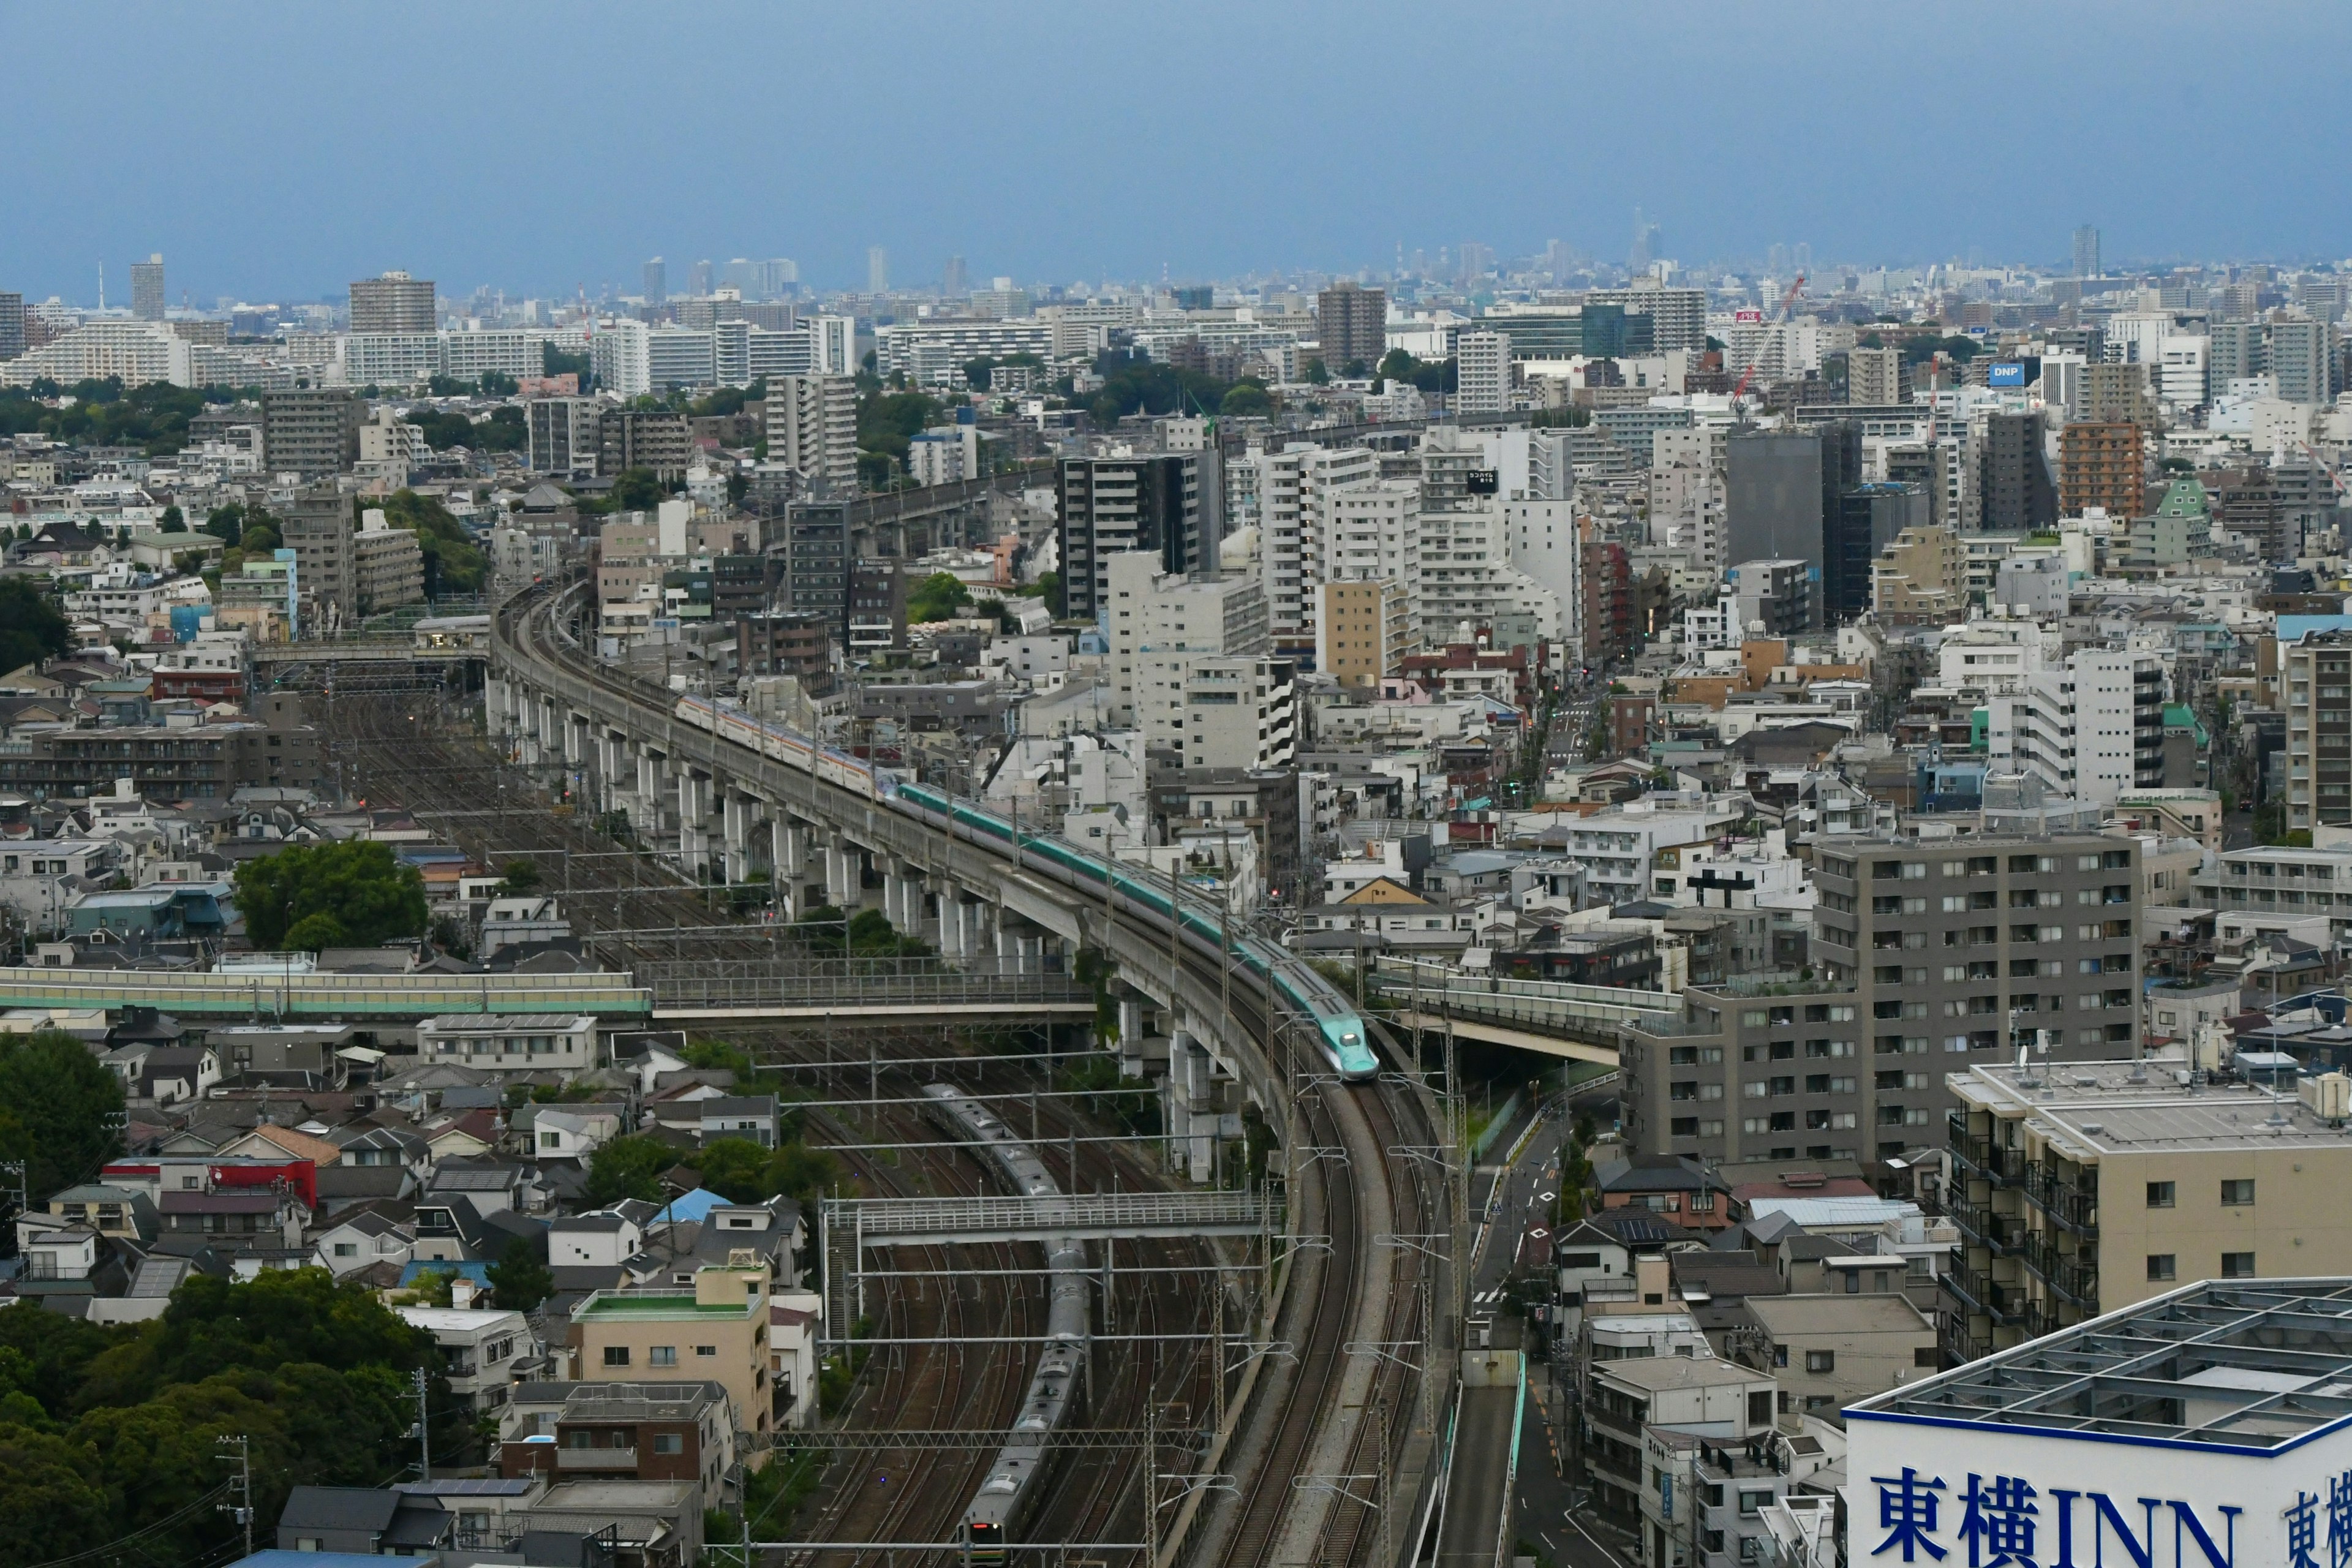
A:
(240, 1485)
(424, 1429)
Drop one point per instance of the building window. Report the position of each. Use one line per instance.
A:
(2160, 1266)
(669, 1443)
(616, 1355)
(2160, 1194)
(2237, 1195)
(705, 1350)
(2237, 1266)
(662, 1355)
(1821, 1360)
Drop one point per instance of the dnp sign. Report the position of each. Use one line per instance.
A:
(2005, 373)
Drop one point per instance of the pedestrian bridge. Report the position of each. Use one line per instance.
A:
(1552, 1018)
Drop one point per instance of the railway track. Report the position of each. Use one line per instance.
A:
(1336, 1412)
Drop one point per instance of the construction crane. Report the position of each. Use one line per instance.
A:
(1781, 318)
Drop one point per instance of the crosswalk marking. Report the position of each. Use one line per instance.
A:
(1487, 1297)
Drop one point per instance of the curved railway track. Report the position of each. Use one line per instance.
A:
(1338, 1411)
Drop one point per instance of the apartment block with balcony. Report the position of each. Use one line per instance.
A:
(1708, 1502)
(1696, 1395)
(2282, 883)
(2081, 1188)
(1927, 953)
(2316, 680)
(649, 1431)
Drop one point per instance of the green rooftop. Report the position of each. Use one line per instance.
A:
(661, 1304)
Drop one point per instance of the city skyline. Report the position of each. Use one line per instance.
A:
(1744, 135)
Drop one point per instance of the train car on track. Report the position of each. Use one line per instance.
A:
(1009, 1497)
(1340, 1032)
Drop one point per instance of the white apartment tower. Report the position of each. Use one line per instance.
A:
(1482, 363)
(812, 427)
(1159, 622)
(1294, 491)
(2092, 729)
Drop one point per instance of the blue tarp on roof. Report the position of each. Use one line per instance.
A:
(691, 1208)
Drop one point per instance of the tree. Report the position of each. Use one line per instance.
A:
(629, 1167)
(976, 372)
(519, 1280)
(51, 1504)
(31, 629)
(1316, 374)
(315, 933)
(172, 520)
(521, 878)
(58, 1108)
(372, 896)
(736, 1169)
(453, 562)
(887, 421)
(1246, 399)
(936, 599)
(637, 490)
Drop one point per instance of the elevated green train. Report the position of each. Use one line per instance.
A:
(1339, 1031)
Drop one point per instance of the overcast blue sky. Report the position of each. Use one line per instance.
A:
(278, 150)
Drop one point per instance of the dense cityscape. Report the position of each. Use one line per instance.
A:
(1676, 899)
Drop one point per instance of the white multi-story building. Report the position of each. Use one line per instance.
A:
(1160, 622)
(621, 355)
(138, 352)
(2092, 729)
(1292, 503)
(2180, 370)
(391, 358)
(1546, 550)
(934, 353)
(470, 356)
(1236, 713)
(813, 425)
(1482, 363)
(944, 455)
(1374, 536)
(680, 357)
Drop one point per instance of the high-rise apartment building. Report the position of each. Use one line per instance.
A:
(2316, 682)
(1291, 499)
(147, 298)
(656, 282)
(1874, 378)
(12, 325)
(317, 525)
(1919, 580)
(1930, 955)
(1352, 326)
(2100, 465)
(1157, 621)
(563, 436)
(2091, 728)
(1482, 365)
(393, 303)
(311, 432)
(1370, 532)
(2014, 493)
(955, 281)
(877, 269)
(2302, 359)
(2086, 252)
(812, 427)
(1677, 316)
(640, 439)
(1149, 502)
(2117, 392)
(702, 279)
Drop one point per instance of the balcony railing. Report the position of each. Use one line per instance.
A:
(595, 1458)
(2071, 1207)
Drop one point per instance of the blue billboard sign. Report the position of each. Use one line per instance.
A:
(2005, 373)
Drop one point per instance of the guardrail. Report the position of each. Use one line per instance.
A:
(850, 993)
(295, 995)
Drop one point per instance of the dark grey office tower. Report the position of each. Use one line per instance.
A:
(2013, 480)
(12, 325)
(1865, 522)
(656, 281)
(311, 432)
(1773, 486)
(818, 563)
(1110, 504)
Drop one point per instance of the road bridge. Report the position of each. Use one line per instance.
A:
(1581, 1023)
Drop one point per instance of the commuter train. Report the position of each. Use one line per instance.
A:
(1341, 1032)
(1009, 1497)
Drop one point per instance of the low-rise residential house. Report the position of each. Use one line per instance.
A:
(1828, 1350)
(1698, 1395)
(1674, 1187)
(362, 1241)
(481, 1349)
(509, 1043)
(257, 1215)
(676, 1430)
(573, 1132)
(751, 1116)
